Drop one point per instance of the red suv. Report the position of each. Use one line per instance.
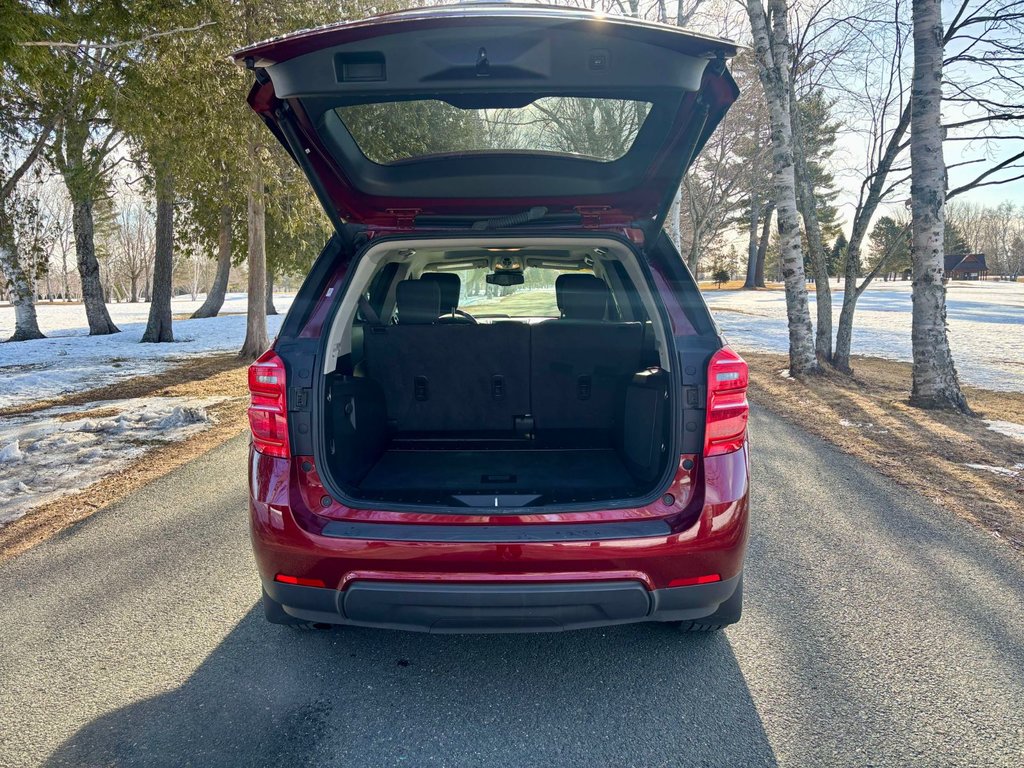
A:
(499, 402)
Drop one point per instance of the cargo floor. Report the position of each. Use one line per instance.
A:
(548, 471)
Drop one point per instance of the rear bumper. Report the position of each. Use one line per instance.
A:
(479, 572)
(521, 607)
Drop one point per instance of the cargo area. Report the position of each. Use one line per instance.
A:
(430, 403)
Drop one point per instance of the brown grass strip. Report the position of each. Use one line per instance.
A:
(926, 451)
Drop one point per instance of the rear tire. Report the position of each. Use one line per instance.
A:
(275, 614)
(728, 613)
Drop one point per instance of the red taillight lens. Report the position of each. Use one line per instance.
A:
(727, 405)
(284, 578)
(268, 407)
(710, 578)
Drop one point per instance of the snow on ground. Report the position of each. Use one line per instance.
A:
(1008, 428)
(70, 360)
(1005, 471)
(58, 451)
(986, 325)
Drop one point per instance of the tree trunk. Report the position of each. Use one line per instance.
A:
(26, 325)
(256, 341)
(762, 247)
(64, 273)
(215, 298)
(147, 280)
(861, 222)
(935, 381)
(674, 228)
(271, 309)
(844, 333)
(693, 257)
(89, 269)
(773, 70)
(752, 232)
(808, 204)
(158, 329)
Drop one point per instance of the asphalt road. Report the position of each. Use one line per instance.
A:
(879, 630)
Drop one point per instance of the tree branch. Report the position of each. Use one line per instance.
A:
(46, 128)
(117, 44)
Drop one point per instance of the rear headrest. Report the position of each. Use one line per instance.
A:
(450, 284)
(419, 302)
(581, 297)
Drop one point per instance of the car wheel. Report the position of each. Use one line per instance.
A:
(275, 614)
(728, 613)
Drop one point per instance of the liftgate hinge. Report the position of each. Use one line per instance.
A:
(591, 215)
(404, 218)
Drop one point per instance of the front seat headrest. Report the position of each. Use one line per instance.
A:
(581, 297)
(450, 285)
(418, 302)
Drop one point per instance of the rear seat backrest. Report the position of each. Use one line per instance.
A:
(419, 303)
(581, 364)
(450, 378)
(568, 373)
(450, 285)
(581, 297)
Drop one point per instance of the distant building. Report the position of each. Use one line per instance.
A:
(966, 266)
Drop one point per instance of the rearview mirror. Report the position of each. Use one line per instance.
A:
(506, 279)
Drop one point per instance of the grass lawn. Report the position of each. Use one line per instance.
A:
(538, 303)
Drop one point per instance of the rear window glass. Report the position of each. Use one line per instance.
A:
(598, 129)
(534, 298)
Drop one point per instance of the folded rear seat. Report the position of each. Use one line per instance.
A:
(448, 377)
(581, 363)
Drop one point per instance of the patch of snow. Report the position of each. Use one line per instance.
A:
(986, 325)
(61, 450)
(10, 453)
(867, 426)
(784, 373)
(1008, 428)
(1005, 471)
(70, 360)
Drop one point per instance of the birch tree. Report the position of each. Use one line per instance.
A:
(774, 67)
(935, 381)
(25, 127)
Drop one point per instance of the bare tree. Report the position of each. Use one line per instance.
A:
(20, 285)
(56, 207)
(135, 244)
(13, 168)
(983, 73)
(807, 200)
(762, 246)
(774, 68)
(935, 381)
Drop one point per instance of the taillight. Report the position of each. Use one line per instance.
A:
(299, 581)
(268, 406)
(727, 405)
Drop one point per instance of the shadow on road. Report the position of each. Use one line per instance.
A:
(636, 695)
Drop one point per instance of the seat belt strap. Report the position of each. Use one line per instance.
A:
(368, 311)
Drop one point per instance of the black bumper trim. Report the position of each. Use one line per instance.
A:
(521, 607)
(497, 534)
